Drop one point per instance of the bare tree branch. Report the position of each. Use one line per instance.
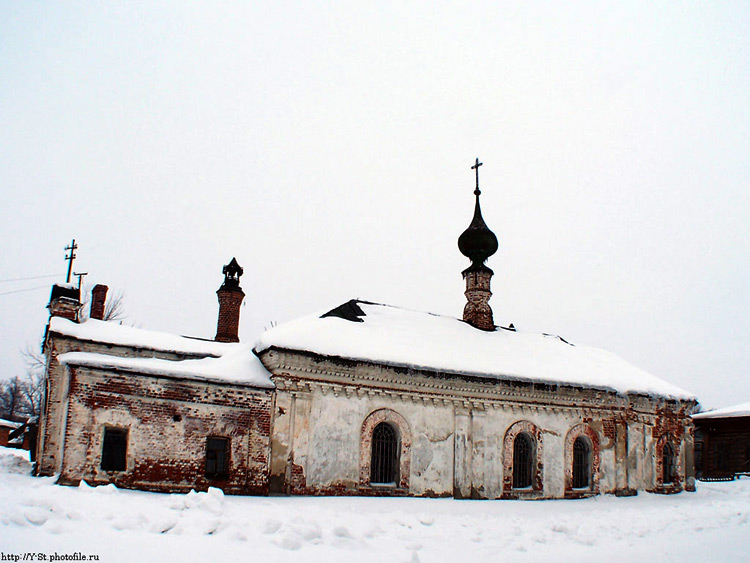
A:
(114, 308)
(32, 390)
(35, 361)
(11, 398)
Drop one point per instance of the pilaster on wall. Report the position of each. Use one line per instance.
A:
(688, 448)
(478, 453)
(622, 486)
(281, 443)
(462, 458)
(53, 419)
(640, 456)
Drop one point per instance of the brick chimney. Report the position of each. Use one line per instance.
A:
(98, 298)
(230, 298)
(65, 302)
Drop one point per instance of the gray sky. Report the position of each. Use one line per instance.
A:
(328, 147)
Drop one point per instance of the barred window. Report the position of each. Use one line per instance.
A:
(523, 461)
(114, 449)
(668, 464)
(581, 463)
(217, 457)
(385, 450)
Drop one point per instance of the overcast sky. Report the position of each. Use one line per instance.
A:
(328, 147)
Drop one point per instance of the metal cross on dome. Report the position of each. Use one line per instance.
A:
(476, 166)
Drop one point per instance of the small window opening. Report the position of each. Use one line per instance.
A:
(114, 449)
(668, 464)
(523, 461)
(384, 462)
(581, 464)
(217, 458)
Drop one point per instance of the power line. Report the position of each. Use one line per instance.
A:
(31, 278)
(22, 290)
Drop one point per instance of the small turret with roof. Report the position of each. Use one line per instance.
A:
(478, 243)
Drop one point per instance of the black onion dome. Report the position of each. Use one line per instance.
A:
(477, 242)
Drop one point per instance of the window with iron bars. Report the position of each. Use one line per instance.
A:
(384, 461)
(581, 463)
(523, 461)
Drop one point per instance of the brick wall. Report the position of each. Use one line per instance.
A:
(168, 422)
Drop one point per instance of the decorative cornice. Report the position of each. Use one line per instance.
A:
(290, 369)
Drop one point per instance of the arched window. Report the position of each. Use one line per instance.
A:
(667, 464)
(523, 461)
(385, 449)
(581, 463)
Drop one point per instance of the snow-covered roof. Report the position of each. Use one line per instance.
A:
(115, 333)
(213, 361)
(743, 409)
(400, 337)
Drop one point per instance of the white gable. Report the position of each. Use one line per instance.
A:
(399, 337)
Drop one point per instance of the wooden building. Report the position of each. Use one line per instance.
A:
(722, 443)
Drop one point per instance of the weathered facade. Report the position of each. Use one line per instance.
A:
(456, 433)
(150, 411)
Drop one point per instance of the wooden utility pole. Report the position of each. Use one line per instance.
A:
(70, 257)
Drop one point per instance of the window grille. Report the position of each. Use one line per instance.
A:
(668, 466)
(385, 450)
(523, 461)
(217, 457)
(581, 464)
(114, 449)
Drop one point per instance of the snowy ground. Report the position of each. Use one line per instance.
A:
(117, 525)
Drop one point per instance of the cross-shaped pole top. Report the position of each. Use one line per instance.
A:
(80, 275)
(476, 166)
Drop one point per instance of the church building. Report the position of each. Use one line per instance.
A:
(364, 399)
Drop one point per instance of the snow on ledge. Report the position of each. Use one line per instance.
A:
(4, 423)
(215, 361)
(395, 336)
(113, 333)
(743, 409)
(240, 367)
